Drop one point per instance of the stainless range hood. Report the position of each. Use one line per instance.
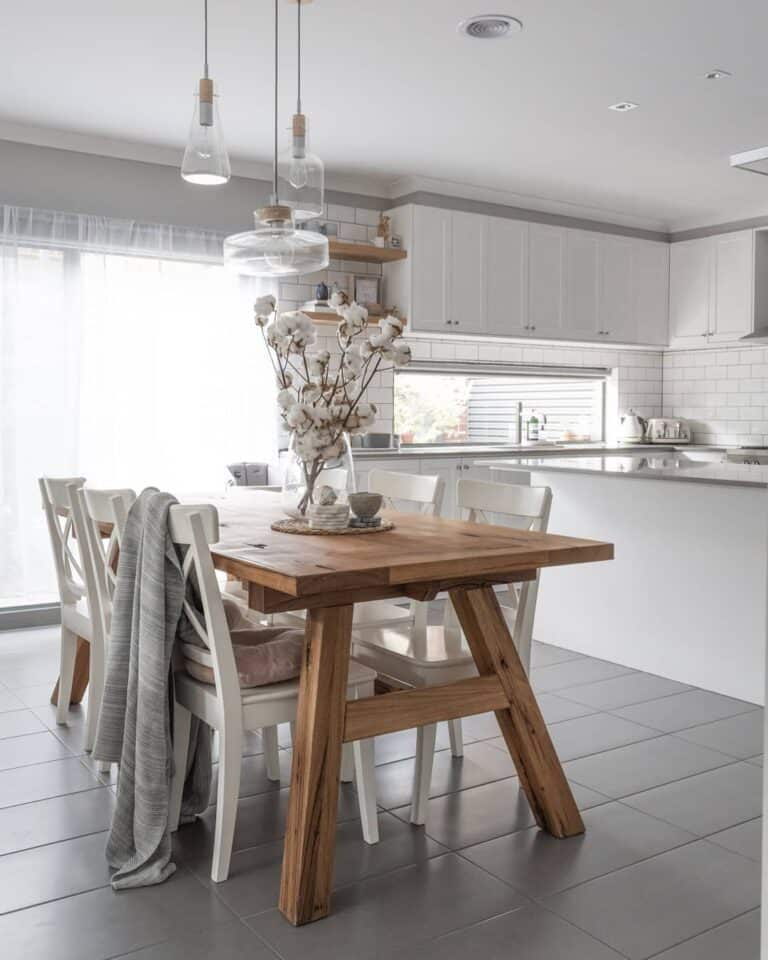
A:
(753, 161)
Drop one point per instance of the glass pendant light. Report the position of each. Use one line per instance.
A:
(206, 161)
(275, 248)
(301, 173)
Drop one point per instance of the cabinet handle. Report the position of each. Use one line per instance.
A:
(533, 326)
(466, 466)
(456, 322)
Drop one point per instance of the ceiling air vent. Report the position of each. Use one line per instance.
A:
(490, 26)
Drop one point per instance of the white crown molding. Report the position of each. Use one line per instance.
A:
(407, 185)
(745, 213)
(165, 155)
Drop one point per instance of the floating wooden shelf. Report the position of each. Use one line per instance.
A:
(322, 317)
(364, 252)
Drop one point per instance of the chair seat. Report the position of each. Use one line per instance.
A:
(77, 618)
(440, 657)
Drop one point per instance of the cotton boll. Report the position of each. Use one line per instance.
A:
(366, 349)
(331, 452)
(393, 325)
(402, 354)
(339, 298)
(285, 399)
(263, 309)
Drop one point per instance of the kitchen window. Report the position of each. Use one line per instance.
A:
(493, 404)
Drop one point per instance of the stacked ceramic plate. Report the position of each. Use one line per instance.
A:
(332, 517)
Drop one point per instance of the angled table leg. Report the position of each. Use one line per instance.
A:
(310, 838)
(81, 675)
(522, 724)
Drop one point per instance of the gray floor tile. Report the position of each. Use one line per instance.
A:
(757, 761)
(641, 766)
(60, 818)
(101, 924)
(555, 708)
(563, 676)
(624, 690)
(683, 710)
(253, 884)
(402, 745)
(538, 864)
(584, 736)
(224, 941)
(36, 694)
(482, 726)
(9, 701)
(656, 904)
(43, 780)
(529, 933)
(491, 810)
(740, 736)
(253, 776)
(33, 748)
(260, 819)
(745, 838)
(53, 871)
(16, 723)
(71, 733)
(708, 802)
(481, 763)
(390, 912)
(32, 671)
(737, 939)
(546, 654)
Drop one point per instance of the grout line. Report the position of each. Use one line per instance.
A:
(703, 932)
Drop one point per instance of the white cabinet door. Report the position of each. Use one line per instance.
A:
(690, 279)
(449, 470)
(650, 292)
(581, 285)
(733, 310)
(615, 315)
(506, 277)
(430, 276)
(546, 280)
(466, 273)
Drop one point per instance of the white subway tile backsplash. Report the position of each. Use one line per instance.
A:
(369, 218)
(353, 231)
(341, 213)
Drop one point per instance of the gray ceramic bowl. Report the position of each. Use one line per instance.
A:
(365, 505)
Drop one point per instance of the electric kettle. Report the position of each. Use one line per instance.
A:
(631, 428)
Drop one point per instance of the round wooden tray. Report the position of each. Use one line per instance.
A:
(303, 527)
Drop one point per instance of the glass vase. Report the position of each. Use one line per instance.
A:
(302, 481)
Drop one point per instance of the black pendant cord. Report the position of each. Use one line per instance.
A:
(205, 39)
(298, 46)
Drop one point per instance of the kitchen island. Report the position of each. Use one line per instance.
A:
(686, 595)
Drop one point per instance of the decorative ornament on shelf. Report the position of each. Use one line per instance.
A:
(322, 401)
(206, 162)
(275, 248)
(382, 231)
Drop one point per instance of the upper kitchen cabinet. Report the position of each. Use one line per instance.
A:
(546, 280)
(712, 288)
(506, 277)
(467, 273)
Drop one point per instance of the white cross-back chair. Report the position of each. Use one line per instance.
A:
(72, 564)
(446, 658)
(230, 710)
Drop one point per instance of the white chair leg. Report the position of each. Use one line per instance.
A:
(422, 774)
(230, 757)
(271, 752)
(365, 776)
(456, 734)
(419, 611)
(95, 694)
(348, 767)
(182, 721)
(66, 673)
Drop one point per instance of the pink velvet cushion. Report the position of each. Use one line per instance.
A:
(262, 655)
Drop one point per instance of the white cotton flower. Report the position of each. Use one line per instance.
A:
(332, 451)
(388, 351)
(299, 416)
(263, 309)
(285, 399)
(378, 340)
(339, 298)
(402, 354)
(366, 349)
(310, 392)
(392, 325)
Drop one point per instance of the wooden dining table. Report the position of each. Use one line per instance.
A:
(421, 557)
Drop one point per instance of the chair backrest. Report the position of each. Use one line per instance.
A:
(67, 556)
(105, 513)
(529, 506)
(424, 492)
(194, 528)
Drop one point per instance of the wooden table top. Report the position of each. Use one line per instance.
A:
(419, 549)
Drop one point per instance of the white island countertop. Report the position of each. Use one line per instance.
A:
(672, 466)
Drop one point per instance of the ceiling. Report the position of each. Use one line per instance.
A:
(393, 92)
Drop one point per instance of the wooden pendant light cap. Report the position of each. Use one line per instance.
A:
(273, 213)
(299, 125)
(206, 90)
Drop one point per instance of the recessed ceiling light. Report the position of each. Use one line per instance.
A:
(717, 75)
(623, 106)
(490, 26)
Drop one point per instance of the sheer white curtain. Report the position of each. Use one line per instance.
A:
(128, 356)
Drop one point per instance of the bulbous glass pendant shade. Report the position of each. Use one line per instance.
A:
(206, 161)
(275, 248)
(301, 175)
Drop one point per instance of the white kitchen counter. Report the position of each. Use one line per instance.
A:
(427, 452)
(686, 596)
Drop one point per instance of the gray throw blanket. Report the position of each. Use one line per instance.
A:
(136, 714)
